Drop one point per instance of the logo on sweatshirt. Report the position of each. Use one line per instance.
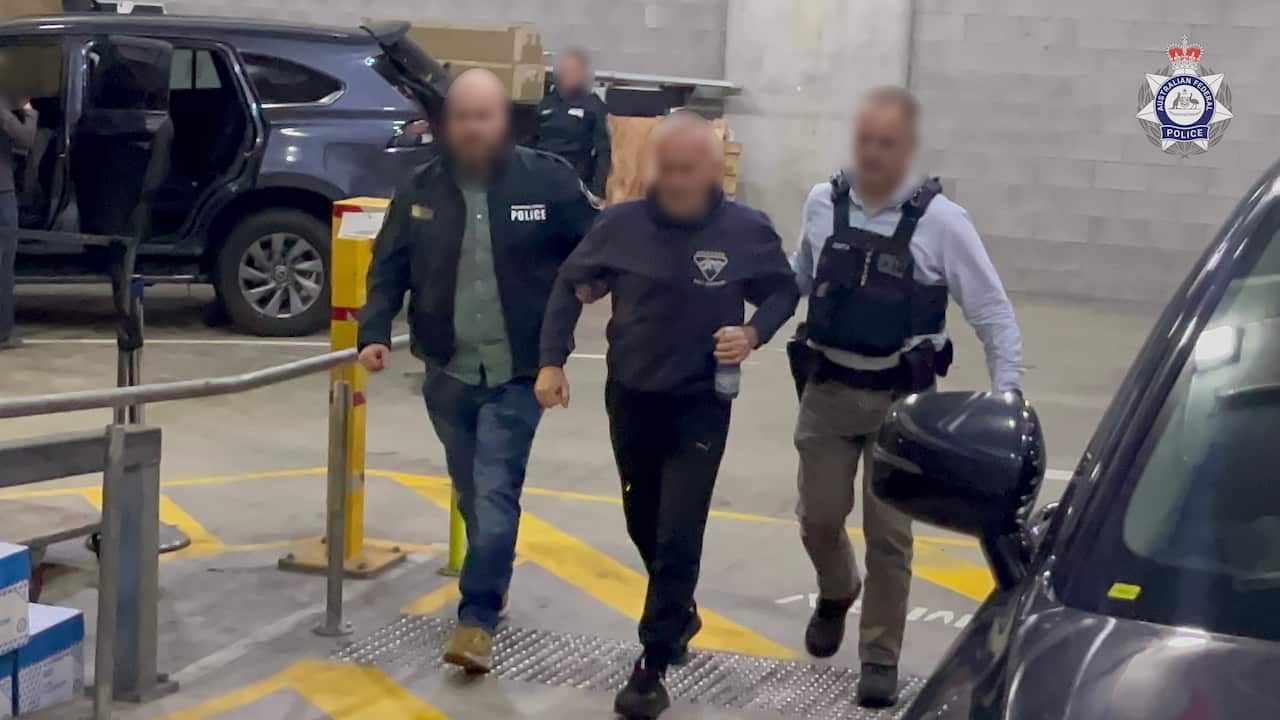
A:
(528, 213)
(710, 263)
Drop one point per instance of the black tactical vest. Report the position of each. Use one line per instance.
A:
(865, 297)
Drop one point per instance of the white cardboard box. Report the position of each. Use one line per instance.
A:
(15, 579)
(50, 668)
(6, 686)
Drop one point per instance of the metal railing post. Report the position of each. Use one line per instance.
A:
(136, 498)
(108, 575)
(335, 527)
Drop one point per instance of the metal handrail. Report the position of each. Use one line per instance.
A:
(50, 404)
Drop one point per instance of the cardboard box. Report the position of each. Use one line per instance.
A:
(732, 159)
(6, 686)
(15, 581)
(526, 83)
(507, 44)
(50, 668)
(18, 8)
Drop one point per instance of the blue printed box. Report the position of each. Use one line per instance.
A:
(15, 580)
(50, 668)
(6, 686)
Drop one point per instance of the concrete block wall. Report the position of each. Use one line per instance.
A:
(803, 65)
(1029, 117)
(684, 37)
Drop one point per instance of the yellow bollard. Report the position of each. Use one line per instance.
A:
(355, 225)
(457, 540)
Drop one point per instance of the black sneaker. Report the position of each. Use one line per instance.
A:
(878, 686)
(826, 628)
(680, 657)
(644, 697)
(13, 343)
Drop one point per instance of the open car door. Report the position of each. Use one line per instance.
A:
(119, 158)
(409, 68)
(121, 143)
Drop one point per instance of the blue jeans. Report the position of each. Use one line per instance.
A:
(8, 256)
(487, 434)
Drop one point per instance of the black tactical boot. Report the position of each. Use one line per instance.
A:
(644, 697)
(826, 627)
(878, 686)
(680, 656)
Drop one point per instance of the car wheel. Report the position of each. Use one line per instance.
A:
(273, 274)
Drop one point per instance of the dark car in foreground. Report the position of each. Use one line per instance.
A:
(1152, 590)
(271, 123)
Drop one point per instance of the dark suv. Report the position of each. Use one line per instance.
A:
(271, 124)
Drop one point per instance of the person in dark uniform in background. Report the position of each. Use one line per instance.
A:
(17, 132)
(573, 122)
(679, 265)
(477, 236)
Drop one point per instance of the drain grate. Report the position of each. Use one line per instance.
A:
(719, 680)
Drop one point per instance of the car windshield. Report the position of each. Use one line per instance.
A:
(1198, 541)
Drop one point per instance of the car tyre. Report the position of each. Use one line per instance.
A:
(273, 274)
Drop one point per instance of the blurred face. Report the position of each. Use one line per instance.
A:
(476, 121)
(687, 169)
(571, 75)
(883, 147)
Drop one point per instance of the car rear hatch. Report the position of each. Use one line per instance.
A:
(408, 67)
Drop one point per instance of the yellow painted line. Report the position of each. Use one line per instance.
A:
(203, 542)
(436, 600)
(940, 567)
(343, 692)
(932, 562)
(242, 477)
(185, 482)
(600, 576)
(532, 491)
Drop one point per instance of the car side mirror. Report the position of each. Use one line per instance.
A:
(968, 462)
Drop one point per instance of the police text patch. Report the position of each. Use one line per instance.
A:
(528, 213)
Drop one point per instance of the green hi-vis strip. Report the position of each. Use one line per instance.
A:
(1124, 591)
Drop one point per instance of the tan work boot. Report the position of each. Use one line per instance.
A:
(470, 649)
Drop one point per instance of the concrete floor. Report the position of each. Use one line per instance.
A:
(242, 474)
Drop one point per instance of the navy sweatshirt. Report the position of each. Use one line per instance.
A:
(673, 285)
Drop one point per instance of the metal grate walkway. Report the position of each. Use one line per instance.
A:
(719, 680)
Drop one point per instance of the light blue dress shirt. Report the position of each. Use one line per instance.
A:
(947, 251)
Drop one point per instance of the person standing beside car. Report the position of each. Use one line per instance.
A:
(574, 124)
(880, 253)
(476, 237)
(18, 122)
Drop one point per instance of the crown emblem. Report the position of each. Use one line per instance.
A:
(1184, 57)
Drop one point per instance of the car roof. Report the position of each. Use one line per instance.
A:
(102, 22)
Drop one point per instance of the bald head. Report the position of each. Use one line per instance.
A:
(476, 114)
(688, 164)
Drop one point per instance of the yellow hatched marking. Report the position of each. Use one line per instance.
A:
(343, 692)
(600, 576)
(203, 542)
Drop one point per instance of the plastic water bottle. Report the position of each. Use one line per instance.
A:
(728, 377)
(728, 380)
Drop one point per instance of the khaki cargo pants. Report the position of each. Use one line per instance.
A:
(836, 427)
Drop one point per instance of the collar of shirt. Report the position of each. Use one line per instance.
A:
(899, 196)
